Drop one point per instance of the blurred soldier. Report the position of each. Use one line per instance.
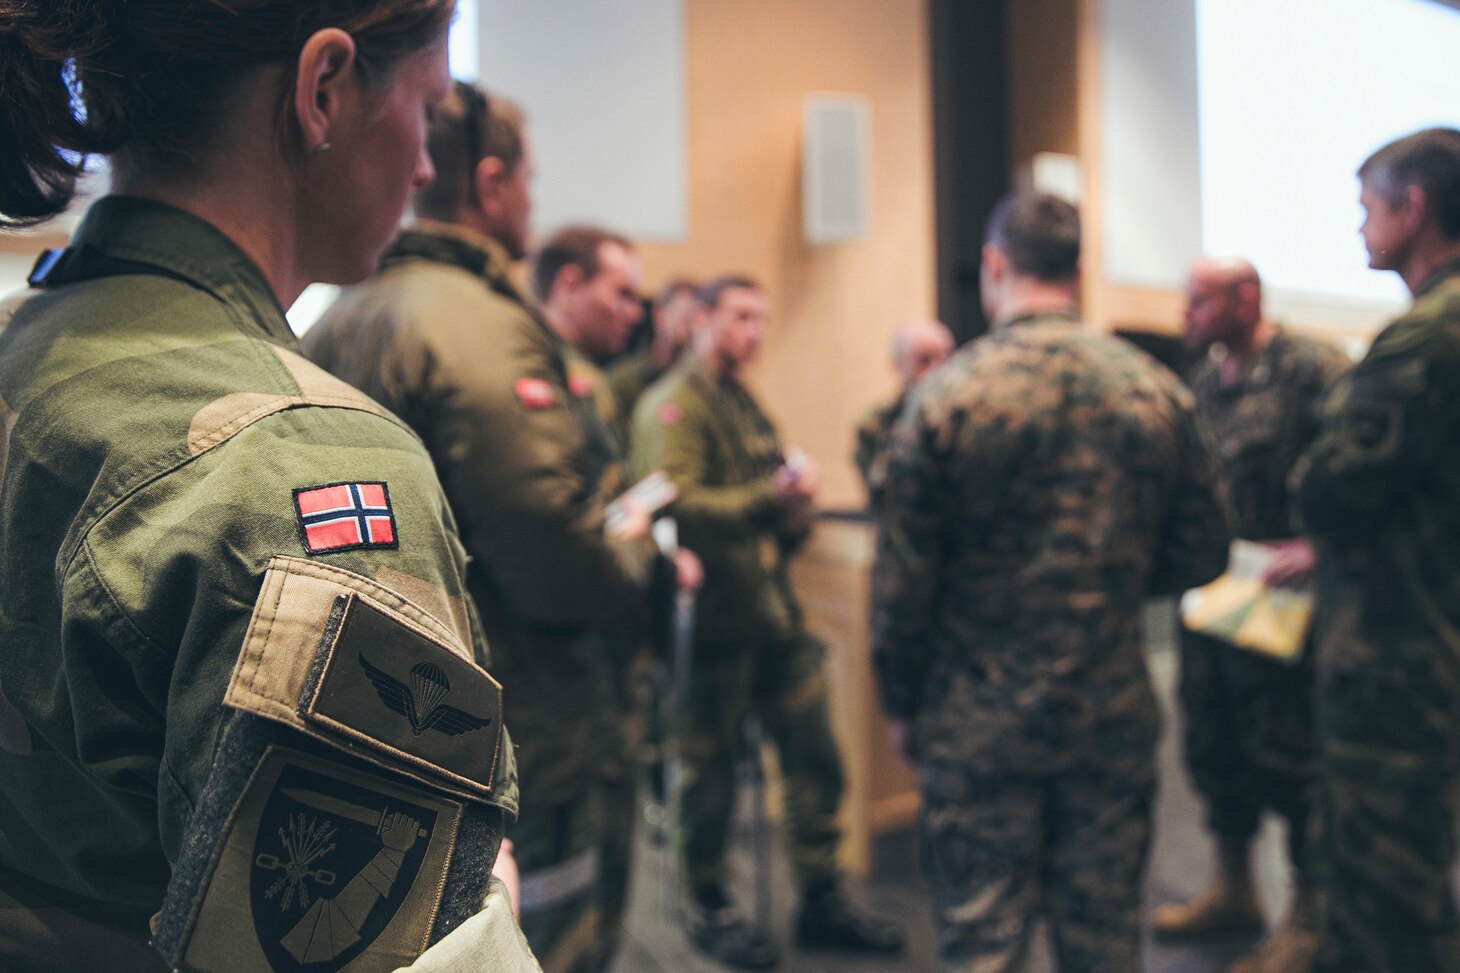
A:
(443, 337)
(587, 280)
(630, 376)
(744, 509)
(1380, 493)
(918, 347)
(1249, 740)
(1041, 484)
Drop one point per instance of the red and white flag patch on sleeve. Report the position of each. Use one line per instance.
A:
(345, 517)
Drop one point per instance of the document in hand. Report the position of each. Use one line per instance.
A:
(652, 494)
(1239, 609)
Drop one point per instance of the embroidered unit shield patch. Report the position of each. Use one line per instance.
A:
(344, 517)
(325, 863)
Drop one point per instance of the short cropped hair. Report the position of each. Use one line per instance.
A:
(1429, 159)
(468, 126)
(573, 246)
(674, 288)
(1039, 233)
(710, 291)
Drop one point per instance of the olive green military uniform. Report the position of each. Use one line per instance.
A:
(629, 378)
(751, 652)
(1380, 492)
(242, 705)
(1041, 484)
(874, 430)
(442, 337)
(1249, 731)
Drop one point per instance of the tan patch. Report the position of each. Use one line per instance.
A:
(11, 303)
(322, 388)
(224, 418)
(298, 611)
(431, 597)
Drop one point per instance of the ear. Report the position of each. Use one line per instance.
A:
(567, 279)
(323, 79)
(1416, 208)
(995, 261)
(487, 181)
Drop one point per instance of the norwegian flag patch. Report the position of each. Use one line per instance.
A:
(535, 393)
(345, 517)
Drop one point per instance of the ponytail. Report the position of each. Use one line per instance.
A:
(43, 142)
(94, 76)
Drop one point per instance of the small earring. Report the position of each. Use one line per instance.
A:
(322, 148)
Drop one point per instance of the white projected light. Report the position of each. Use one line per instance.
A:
(1294, 94)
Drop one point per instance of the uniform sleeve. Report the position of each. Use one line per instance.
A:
(292, 603)
(677, 440)
(516, 475)
(1380, 426)
(1196, 536)
(909, 562)
(868, 442)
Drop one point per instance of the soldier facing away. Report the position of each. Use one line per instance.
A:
(1380, 493)
(1040, 485)
(918, 347)
(443, 337)
(1249, 739)
(244, 714)
(744, 509)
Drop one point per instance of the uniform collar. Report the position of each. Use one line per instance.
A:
(459, 246)
(1066, 316)
(1438, 276)
(147, 232)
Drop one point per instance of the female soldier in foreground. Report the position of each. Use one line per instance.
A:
(243, 713)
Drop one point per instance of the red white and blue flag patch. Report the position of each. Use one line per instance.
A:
(345, 517)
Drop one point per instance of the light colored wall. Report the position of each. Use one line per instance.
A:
(750, 63)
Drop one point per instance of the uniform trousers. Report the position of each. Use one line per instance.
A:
(782, 682)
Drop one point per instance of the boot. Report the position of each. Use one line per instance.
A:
(829, 921)
(1229, 907)
(1291, 948)
(722, 934)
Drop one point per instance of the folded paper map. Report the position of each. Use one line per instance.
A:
(1239, 609)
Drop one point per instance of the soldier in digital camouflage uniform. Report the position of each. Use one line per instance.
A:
(1380, 493)
(1041, 485)
(744, 511)
(244, 714)
(443, 337)
(918, 348)
(1249, 741)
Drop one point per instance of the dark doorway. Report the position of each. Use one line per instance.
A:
(971, 146)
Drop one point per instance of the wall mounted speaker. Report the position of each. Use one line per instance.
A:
(835, 163)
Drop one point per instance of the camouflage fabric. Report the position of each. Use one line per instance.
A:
(873, 432)
(1380, 491)
(515, 423)
(1249, 738)
(1041, 484)
(158, 438)
(751, 652)
(1260, 424)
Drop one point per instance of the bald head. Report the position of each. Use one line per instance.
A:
(1223, 302)
(919, 346)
